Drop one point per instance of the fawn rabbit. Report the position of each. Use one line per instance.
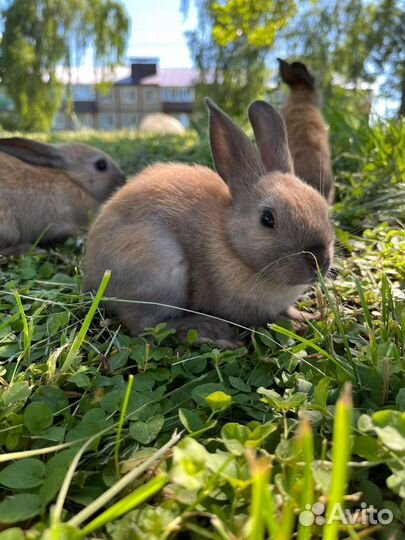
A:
(307, 132)
(241, 244)
(48, 191)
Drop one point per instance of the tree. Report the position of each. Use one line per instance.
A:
(388, 47)
(333, 37)
(357, 40)
(39, 35)
(230, 47)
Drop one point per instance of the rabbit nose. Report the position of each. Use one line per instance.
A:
(318, 256)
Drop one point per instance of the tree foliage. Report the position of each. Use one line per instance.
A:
(230, 46)
(39, 35)
(332, 36)
(388, 46)
(351, 41)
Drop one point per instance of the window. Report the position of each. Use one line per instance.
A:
(106, 99)
(6, 104)
(178, 95)
(129, 120)
(106, 121)
(151, 95)
(85, 119)
(129, 95)
(59, 121)
(84, 92)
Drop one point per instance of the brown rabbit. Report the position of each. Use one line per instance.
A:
(242, 244)
(48, 191)
(307, 132)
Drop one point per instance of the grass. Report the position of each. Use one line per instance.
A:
(111, 437)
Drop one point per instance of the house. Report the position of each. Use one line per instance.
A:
(136, 90)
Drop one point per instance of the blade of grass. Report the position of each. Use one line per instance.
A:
(341, 329)
(260, 469)
(106, 497)
(306, 443)
(270, 512)
(341, 452)
(131, 501)
(78, 341)
(123, 414)
(287, 521)
(312, 345)
(11, 456)
(28, 329)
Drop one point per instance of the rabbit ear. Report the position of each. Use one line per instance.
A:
(236, 159)
(33, 152)
(271, 137)
(295, 74)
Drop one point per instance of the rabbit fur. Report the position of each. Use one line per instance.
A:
(307, 132)
(186, 236)
(48, 192)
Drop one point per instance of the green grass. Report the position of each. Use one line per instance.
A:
(111, 437)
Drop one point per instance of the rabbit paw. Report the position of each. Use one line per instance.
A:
(295, 314)
(209, 331)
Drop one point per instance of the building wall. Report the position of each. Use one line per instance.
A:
(124, 106)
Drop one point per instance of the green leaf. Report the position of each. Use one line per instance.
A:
(219, 401)
(119, 360)
(146, 432)
(12, 534)
(19, 508)
(81, 380)
(16, 392)
(396, 482)
(282, 403)
(46, 270)
(321, 392)
(234, 437)
(400, 400)
(239, 384)
(24, 474)
(53, 396)
(38, 417)
(190, 460)
(200, 392)
(51, 486)
(237, 438)
(190, 420)
(391, 438)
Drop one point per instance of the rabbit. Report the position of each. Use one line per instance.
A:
(240, 244)
(307, 132)
(47, 192)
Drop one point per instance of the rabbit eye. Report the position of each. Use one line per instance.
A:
(101, 164)
(268, 219)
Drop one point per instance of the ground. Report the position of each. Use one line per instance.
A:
(267, 414)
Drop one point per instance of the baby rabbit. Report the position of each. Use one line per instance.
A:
(307, 133)
(241, 244)
(48, 191)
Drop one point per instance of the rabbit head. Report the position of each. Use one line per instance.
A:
(91, 169)
(276, 223)
(296, 74)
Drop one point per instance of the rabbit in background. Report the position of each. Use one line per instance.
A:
(241, 244)
(48, 192)
(307, 131)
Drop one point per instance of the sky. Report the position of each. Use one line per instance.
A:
(158, 30)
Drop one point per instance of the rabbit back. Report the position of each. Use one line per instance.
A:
(37, 200)
(308, 139)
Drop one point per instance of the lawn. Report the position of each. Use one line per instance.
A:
(111, 437)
